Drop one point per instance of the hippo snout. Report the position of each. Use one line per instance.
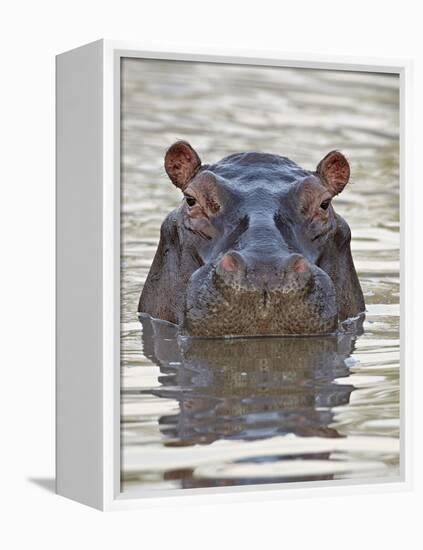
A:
(285, 273)
(236, 298)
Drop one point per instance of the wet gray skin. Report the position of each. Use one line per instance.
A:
(255, 248)
(248, 389)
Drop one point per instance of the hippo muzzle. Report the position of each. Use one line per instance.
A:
(291, 298)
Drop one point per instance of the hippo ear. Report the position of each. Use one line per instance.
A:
(181, 163)
(334, 170)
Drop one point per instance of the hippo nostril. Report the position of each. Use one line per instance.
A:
(231, 263)
(295, 264)
(228, 263)
(300, 266)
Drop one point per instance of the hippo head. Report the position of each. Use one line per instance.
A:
(255, 248)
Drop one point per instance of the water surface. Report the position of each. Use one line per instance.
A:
(202, 413)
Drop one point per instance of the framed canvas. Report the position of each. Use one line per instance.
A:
(233, 281)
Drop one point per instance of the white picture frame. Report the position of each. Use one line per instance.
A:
(88, 276)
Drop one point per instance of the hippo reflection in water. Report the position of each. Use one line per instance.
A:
(248, 388)
(255, 248)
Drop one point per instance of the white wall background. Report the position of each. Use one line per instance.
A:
(31, 34)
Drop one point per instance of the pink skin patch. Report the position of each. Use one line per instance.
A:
(228, 263)
(300, 266)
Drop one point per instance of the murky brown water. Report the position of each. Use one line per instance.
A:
(229, 412)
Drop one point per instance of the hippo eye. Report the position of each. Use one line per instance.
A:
(190, 200)
(325, 204)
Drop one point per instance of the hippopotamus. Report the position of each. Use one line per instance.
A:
(254, 249)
